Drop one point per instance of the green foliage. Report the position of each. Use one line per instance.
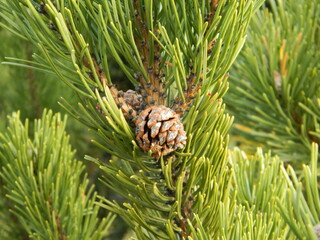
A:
(302, 202)
(45, 186)
(31, 91)
(201, 191)
(7, 231)
(259, 183)
(17, 92)
(275, 87)
(278, 204)
(177, 196)
(25, 89)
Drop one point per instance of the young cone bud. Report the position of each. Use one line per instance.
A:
(129, 102)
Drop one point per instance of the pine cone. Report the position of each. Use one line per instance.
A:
(316, 230)
(132, 99)
(160, 130)
(129, 102)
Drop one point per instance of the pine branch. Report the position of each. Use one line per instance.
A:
(302, 202)
(274, 85)
(173, 55)
(273, 201)
(14, 229)
(260, 187)
(43, 181)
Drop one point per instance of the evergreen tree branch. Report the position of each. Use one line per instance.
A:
(176, 196)
(302, 201)
(260, 187)
(43, 181)
(273, 201)
(275, 85)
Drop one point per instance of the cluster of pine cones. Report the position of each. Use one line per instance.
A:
(158, 128)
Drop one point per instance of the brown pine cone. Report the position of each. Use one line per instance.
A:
(129, 102)
(160, 130)
(132, 99)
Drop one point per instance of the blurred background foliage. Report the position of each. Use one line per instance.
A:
(274, 83)
(28, 90)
